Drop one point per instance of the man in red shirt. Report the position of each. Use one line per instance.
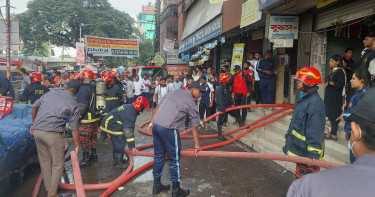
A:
(241, 83)
(248, 71)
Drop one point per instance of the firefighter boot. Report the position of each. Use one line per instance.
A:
(158, 187)
(93, 155)
(178, 192)
(220, 132)
(119, 161)
(85, 161)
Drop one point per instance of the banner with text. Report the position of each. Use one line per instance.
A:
(283, 27)
(168, 45)
(98, 46)
(250, 13)
(237, 56)
(178, 70)
(80, 48)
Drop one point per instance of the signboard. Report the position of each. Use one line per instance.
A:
(283, 43)
(208, 32)
(98, 46)
(172, 57)
(216, 1)
(257, 35)
(168, 45)
(237, 56)
(14, 35)
(80, 48)
(158, 60)
(283, 27)
(250, 13)
(265, 3)
(177, 70)
(322, 3)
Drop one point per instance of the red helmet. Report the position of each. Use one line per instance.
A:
(76, 76)
(223, 77)
(35, 77)
(108, 79)
(309, 76)
(115, 74)
(88, 74)
(104, 72)
(141, 103)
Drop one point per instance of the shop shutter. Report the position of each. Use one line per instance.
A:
(344, 13)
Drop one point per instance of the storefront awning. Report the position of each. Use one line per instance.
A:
(199, 15)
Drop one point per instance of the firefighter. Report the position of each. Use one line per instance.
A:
(114, 96)
(120, 124)
(6, 88)
(117, 80)
(89, 119)
(305, 136)
(104, 72)
(35, 90)
(223, 101)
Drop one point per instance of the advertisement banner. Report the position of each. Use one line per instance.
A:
(172, 57)
(250, 13)
(168, 45)
(98, 46)
(283, 27)
(237, 56)
(282, 43)
(322, 3)
(265, 3)
(177, 70)
(80, 48)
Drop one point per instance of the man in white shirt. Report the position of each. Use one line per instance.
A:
(146, 86)
(138, 86)
(160, 91)
(169, 82)
(177, 84)
(254, 64)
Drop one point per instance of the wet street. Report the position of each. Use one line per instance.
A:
(205, 176)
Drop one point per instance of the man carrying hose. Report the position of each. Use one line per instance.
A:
(119, 124)
(305, 136)
(169, 114)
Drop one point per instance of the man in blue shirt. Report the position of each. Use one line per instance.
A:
(205, 102)
(267, 71)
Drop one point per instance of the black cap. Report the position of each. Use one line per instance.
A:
(196, 84)
(365, 108)
(237, 67)
(227, 60)
(74, 84)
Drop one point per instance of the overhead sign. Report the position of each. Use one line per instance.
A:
(172, 57)
(283, 27)
(158, 60)
(14, 35)
(178, 70)
(322, 3)
(237, 56)
(283, 43)
(265, 3)
(257, 35)
(208, 32)
(80, 48)
(250, 13)
(168, 45)
(98, 46)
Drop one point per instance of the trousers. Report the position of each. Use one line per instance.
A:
(166, 141)
(204, 109)
(88, 135)
(257, 93)
(267, 89)
(51, 148)
(118, 143)
(240, 99)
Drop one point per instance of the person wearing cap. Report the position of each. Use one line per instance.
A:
(242, 86)
(175, 106)
(49, 114)
(356, 179)
(305, 136)
(227, 66)
(267, 71)
(35, 90)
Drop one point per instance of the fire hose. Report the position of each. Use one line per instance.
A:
(127, 175)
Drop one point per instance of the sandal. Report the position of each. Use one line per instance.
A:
(328, 136)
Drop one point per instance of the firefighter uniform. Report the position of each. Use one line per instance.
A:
(113, 98)
(305, 136)
(33, 92)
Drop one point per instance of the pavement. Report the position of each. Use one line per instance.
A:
(206, 176)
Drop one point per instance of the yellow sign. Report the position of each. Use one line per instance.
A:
(237, 56)
(216, 1)
(250, 13)
(322, 3)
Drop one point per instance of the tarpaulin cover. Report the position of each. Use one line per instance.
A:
(17, 145)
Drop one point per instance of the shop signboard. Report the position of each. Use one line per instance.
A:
(98, 46)
(172, 57)
(282, 43)
(322, 3)
(257, 35)
(158, 60)
(283, 27)
(168, 45)
(237, 56)
(178, 70)
(208, 32)
(80, 48)
(250, 13)
(265, 3)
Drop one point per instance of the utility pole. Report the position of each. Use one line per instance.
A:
(7, 24)
(157, 27)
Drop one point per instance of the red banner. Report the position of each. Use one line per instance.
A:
(178, 70)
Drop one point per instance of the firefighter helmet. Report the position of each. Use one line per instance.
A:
(223, 77)
(108, 79)
(35, 77)
(76, 76)
(88, 74)
(115, 74)
(309, 76)
(141, 103)
(104, 72)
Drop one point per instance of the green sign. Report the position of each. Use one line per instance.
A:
(158, 60)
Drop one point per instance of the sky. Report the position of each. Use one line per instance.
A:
(132, 7)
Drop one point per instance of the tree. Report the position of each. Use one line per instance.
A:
(146, 51)
(58, 22)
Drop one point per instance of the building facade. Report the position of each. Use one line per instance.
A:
(147, 22)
